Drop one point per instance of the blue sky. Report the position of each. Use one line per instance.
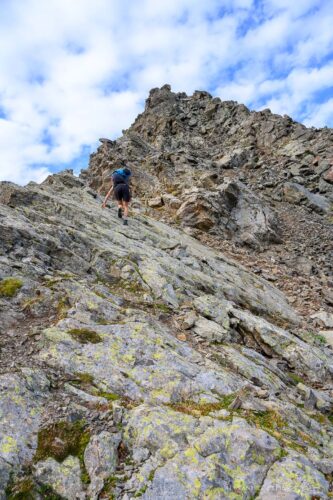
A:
(72, 72)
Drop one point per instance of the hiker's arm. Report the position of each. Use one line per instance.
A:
(107, 197)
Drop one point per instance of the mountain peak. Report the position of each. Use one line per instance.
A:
(187, 354)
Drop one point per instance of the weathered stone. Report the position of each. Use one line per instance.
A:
(22, 396)
(210, 330)
(325, 317)
(211, 463)
(306, 358)
(328, 175)
(231, 207)
(100, 459)
(294, 477)
(294, 193)
(139, 361)
(63, 478)
(171, 201)
(188, 320)
(156, 202)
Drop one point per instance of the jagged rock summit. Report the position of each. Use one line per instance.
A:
(139, 361)
(193, 145)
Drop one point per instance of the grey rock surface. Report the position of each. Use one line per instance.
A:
(294, 193)
(63, 478)
(21, 400)
(187, 413)
(192, 376)
(101, 459)
(283, 480)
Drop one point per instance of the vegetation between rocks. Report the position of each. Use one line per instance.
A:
(85, 336)
(202, 409)
(62, 439)
(26, 489)
(9, 287)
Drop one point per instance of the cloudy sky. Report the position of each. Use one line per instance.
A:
(74, 71)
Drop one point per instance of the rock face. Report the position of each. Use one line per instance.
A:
(137, 361)
(188, 146)
(230, 209)
(256, 185)
(143, 361)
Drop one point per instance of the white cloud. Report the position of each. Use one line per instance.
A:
(74, 71)
(321, 114)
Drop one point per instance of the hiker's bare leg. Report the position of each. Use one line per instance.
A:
(125, 207)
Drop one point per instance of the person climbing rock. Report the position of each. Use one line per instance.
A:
(120, 188)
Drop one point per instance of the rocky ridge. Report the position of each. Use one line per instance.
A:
(256, 185)
(140, 361)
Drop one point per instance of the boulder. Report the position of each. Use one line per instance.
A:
(101, 459)
(156, 202)
(294, 477)
(328, 175)
(63, 478)
(325, 317)
(210, 330)
(230, 209)
(294, 193)
(22, 397)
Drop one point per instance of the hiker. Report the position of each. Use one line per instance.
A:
(121, 190)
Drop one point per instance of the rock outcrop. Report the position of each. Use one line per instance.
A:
(183, 143)
(253, 184)
(136, 361)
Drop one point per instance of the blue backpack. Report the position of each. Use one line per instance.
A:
(120, 177)
(121, 171)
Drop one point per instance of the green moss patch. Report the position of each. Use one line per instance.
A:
(46, 493)
(62, 308)
(296, 378)
(83, 379)
(85, 336)
(273, 423)
(108, 395)
(320, 339)
(9, 287)
(61, 440)
(102, 321)
(141, 492)
(159, 306)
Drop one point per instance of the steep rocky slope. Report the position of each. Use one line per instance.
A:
(256, 185)
(175, 358)
(136, 361)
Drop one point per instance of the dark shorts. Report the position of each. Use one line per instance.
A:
(122, 192)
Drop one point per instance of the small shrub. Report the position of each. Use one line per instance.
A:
(9, 287)
(20, 489)
(320, 339)
(202, 409)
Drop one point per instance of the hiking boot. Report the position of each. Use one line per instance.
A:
(120, 213)
(125, 223)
